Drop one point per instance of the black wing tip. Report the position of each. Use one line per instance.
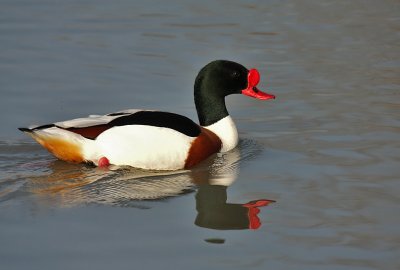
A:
(36, 128)
(25, 129)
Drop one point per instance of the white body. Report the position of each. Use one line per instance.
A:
(146, 147)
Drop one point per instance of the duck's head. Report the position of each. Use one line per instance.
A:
(219, 79)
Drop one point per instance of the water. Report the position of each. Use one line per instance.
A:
(326, 150)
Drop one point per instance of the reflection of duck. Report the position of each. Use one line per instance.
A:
(215, 213)
(70, 185)
(153, 139)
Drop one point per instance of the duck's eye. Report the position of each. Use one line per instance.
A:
(235, 74)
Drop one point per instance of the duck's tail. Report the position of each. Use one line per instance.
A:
(61, 143)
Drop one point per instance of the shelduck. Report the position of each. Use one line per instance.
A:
(154, 139)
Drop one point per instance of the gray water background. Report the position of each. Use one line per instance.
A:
(327, 149)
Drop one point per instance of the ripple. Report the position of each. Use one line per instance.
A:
(55, 182)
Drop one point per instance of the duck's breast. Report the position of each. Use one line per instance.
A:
(206, 144)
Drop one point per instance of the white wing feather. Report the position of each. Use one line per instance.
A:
(93, 120)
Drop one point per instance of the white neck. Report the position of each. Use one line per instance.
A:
(226, 130)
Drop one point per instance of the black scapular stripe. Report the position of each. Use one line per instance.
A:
(117, 114)
(174, 121)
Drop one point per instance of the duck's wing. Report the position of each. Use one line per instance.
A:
(92, 126)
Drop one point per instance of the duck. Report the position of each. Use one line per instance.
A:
(157, 140)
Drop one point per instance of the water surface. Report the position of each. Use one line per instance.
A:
(326, 150)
